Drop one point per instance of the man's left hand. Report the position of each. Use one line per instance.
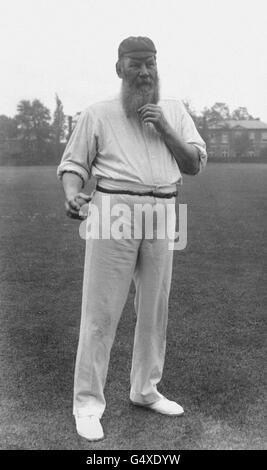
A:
(154, 114)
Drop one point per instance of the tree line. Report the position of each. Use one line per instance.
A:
(39, 132)
(217, 113)
(33, 125)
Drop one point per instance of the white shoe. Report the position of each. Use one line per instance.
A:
(89, 427)
(165, 407)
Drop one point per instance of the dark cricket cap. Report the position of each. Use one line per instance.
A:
(136, 47)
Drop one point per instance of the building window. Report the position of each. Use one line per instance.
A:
(212, 137)
(252, 136)
(238, 134)
(264, 136)
(224, 139)
(251, 153)
(225, 154)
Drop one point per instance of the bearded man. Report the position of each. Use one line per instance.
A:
(136, 146)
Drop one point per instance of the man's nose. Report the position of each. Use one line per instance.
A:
(143, 70)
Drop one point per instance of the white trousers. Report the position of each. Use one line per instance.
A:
(110, 266)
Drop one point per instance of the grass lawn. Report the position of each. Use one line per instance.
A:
(215, 353)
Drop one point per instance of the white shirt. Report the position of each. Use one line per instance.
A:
(108, 144)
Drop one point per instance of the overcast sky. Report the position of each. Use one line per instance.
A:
(208, 50)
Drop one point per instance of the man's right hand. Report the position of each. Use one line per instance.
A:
(74, 204)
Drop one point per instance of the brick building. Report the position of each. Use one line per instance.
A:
(237, 140)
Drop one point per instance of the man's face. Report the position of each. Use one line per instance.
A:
(140, 83)
(139, 72)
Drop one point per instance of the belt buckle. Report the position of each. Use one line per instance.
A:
(155, 191)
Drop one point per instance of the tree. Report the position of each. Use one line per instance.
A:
(217, 113)
(8, 127)
(241, 114)
(58, 126)
(33, 120)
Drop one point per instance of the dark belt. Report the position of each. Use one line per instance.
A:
(133, 193)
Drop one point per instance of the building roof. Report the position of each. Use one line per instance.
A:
(235, 124)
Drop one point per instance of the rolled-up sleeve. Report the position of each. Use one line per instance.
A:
(81, 148)
(191, 136)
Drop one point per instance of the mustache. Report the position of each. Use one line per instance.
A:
(138, 81)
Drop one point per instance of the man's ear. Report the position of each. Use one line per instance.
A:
(118, 69)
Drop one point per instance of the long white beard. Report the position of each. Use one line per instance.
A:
(133, 98)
